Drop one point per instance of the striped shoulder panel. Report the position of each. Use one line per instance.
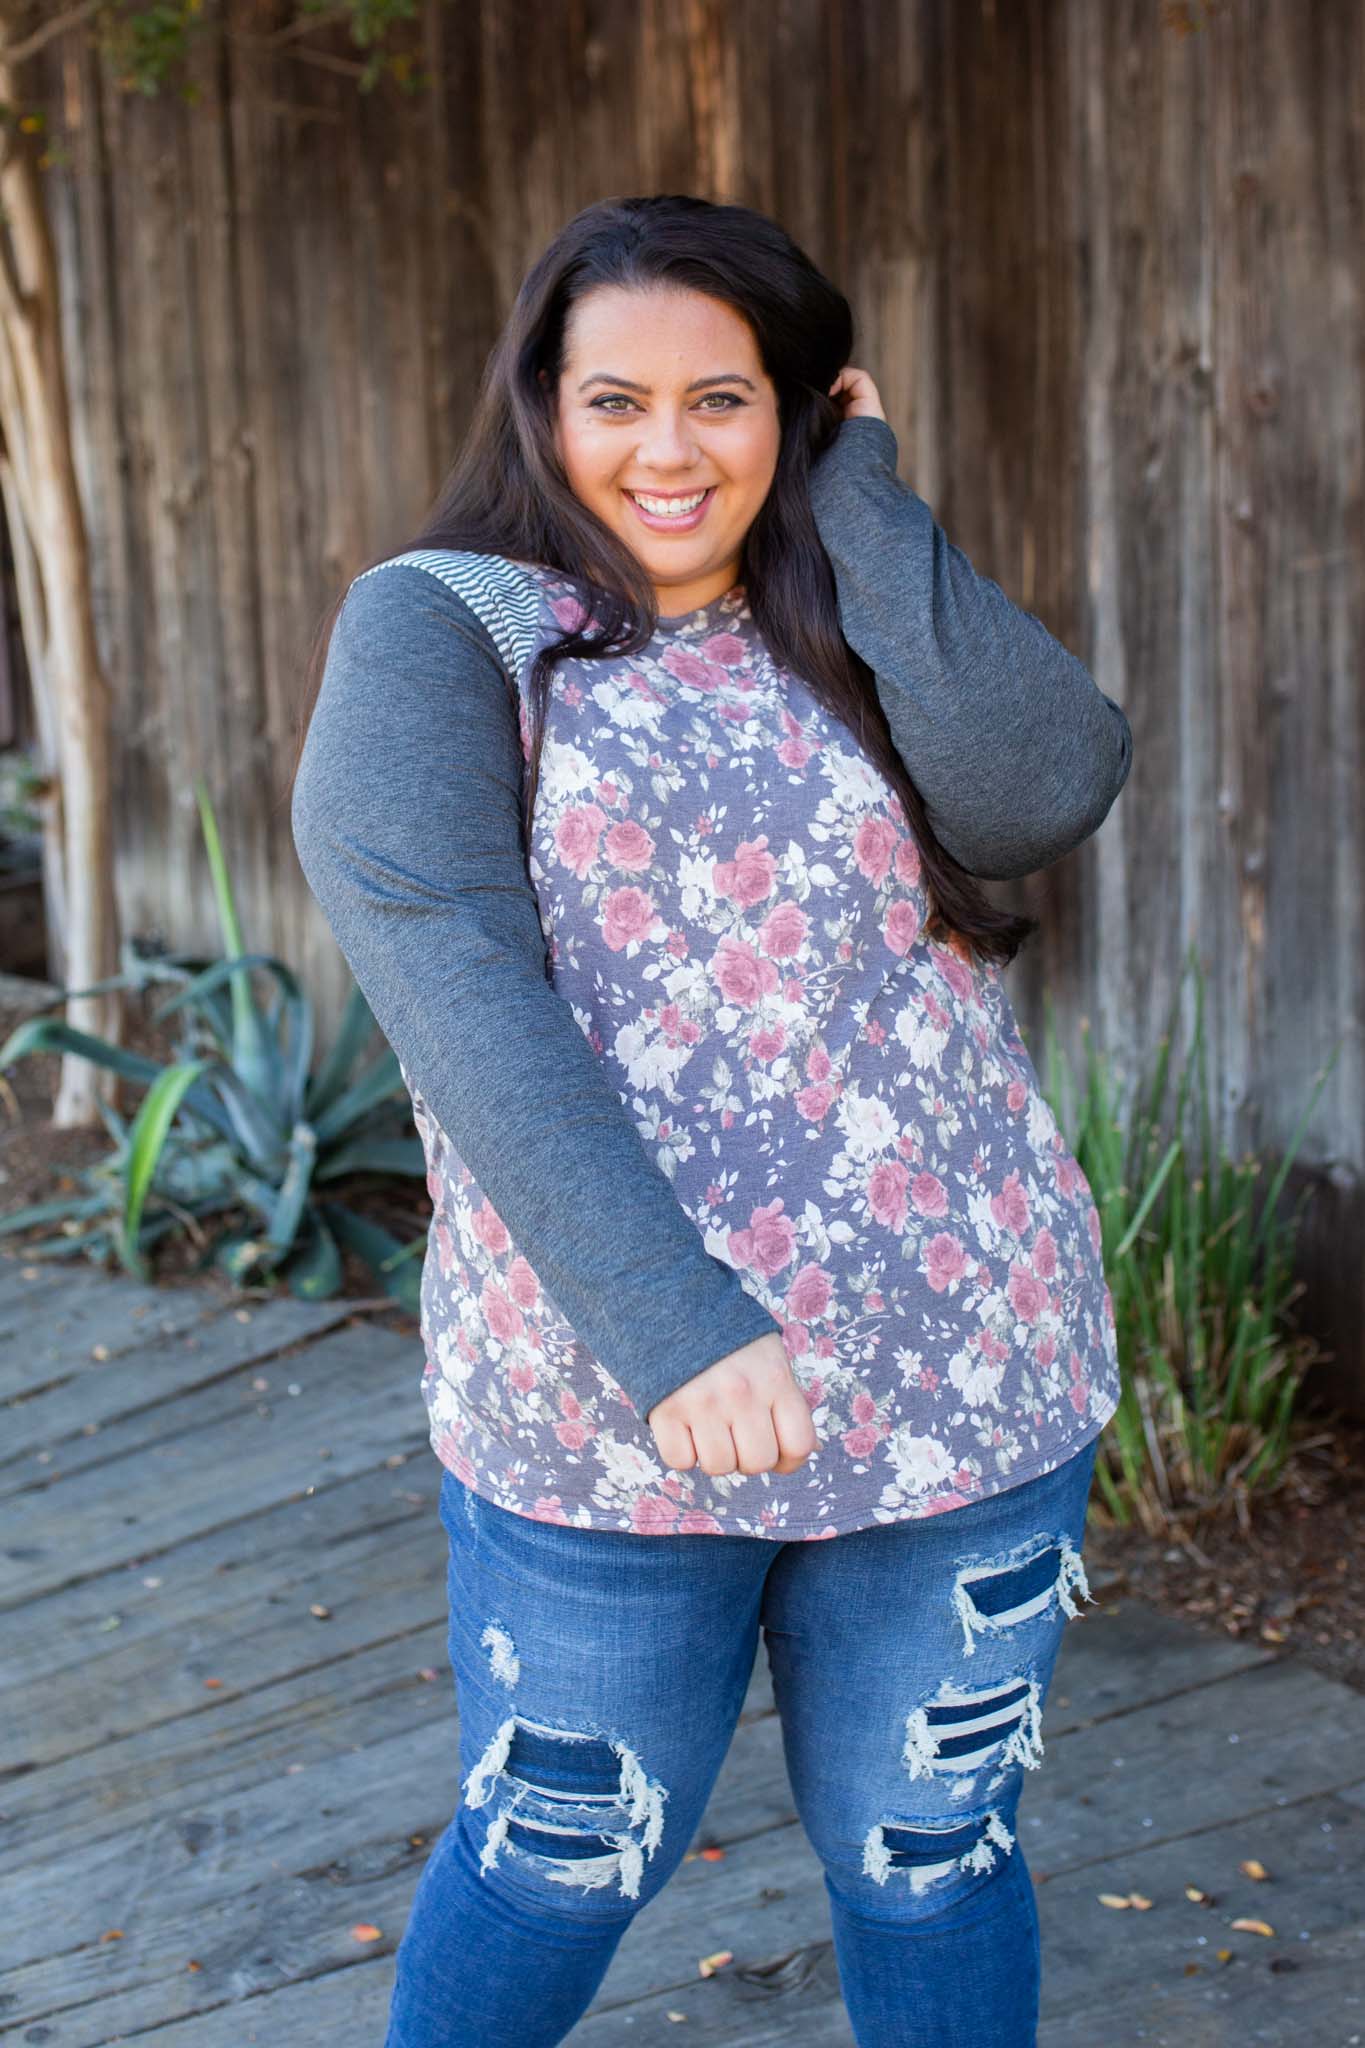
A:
(501, 593)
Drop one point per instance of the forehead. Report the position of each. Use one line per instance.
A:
(658, 332)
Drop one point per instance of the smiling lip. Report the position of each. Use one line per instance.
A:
(658, 524)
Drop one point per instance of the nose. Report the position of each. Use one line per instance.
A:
(667, 444)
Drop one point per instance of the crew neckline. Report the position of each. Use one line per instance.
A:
(703, 611)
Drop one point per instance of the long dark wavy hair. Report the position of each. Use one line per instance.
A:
(507, 492)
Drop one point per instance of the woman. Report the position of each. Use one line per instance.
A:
(645, 793)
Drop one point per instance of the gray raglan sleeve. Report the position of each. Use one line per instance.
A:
(1016, 751)
(406, 818)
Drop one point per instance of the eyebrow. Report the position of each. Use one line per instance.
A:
(699, 384)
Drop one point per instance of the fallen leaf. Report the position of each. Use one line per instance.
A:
(213, 1683)
(194, 1966)
(1113, 1899)
(1225, 1955)
(710, 1964)
(712, 1855)
(1191, 1969)
(675, 2016)
(1136, 1899)
(427, 1673)
(113, 1934)
(1192, 1891)
(1253, 1927)
(1251, 1868)
(363, 1931)
(323, 1613)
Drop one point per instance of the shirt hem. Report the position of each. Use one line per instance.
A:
(1039, 1468)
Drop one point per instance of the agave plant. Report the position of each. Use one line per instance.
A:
(236, 1122)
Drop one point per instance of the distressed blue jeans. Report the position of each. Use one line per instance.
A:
(599, 1677)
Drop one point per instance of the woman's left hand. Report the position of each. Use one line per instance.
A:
(855, 393)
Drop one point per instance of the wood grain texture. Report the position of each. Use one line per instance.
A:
(199, 1763)
(1106, 267)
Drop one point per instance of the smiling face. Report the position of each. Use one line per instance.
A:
(662, 397)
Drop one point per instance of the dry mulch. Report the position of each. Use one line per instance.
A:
(1294, 1581)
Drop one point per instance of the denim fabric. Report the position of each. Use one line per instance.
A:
(599, 1677)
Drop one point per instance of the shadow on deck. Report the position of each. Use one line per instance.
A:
(229, 1735)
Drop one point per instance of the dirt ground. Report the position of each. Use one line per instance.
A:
(1295, 1581)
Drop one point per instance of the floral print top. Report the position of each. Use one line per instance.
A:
(734, 909)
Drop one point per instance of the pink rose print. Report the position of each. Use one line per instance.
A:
(886, 1188)
(738, 925)
(874, 843)
(726, 648)
(955, 971)
(810, 1294)
(630, 915)
(1045, 1255)
(782, 933)
(813, 1103)
(653, 1514)
(1010, 1207)
(768, 1244)
(569, 612)
(489, 1228)
(908, 868)
(766, 1043)
(928, 1194)
(741, 974)
(628, 845)
(900, 926)
(688, 668)
(944, 1261)
(576, 837)
(521, 1282)
(749, 877)
(1027, 1294)
(503, 1317)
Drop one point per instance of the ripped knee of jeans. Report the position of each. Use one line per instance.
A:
(1004, 1592)
(580, 1804)
(923, 1853)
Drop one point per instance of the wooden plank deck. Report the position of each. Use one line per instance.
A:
(205, 1785)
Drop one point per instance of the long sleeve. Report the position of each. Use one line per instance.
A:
(406, 818)
(1016, 751)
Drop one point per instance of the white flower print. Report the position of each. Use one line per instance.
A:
(735, 911)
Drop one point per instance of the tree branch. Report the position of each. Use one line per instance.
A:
(58, 26)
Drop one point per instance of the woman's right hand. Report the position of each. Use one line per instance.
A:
(744, 1413)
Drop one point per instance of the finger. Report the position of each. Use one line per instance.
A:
(715, 1448)
(755, 1441)
(674, 1440)
(792, 1422)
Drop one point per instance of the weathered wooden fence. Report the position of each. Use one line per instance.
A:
(1107, 266)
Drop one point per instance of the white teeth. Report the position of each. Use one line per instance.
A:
(669, 508)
